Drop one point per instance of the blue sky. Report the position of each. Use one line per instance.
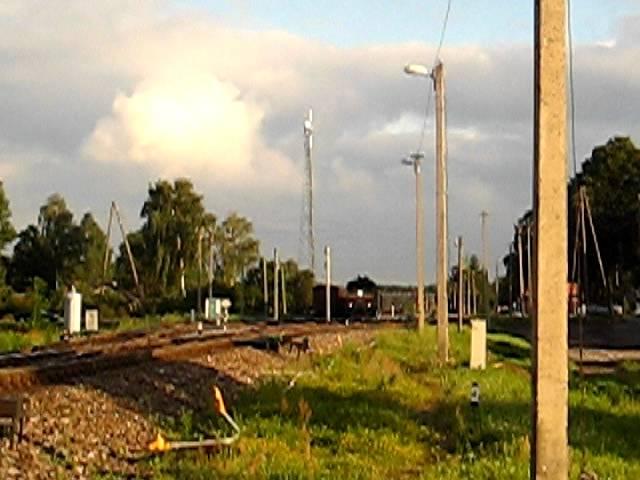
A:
(363, 22)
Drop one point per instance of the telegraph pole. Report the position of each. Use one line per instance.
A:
(276, 268)
(549, 436)
(327, 270)
(460, 285)
(441, 214)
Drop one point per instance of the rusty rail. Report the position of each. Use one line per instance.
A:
(69, 364)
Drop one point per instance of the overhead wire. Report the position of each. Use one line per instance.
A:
(572, 118)
(572, 98)
(427, 110)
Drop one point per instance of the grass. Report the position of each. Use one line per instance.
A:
(17, 336)
(13, 340)
(388, 411)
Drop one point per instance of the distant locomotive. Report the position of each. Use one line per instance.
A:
(362, 299)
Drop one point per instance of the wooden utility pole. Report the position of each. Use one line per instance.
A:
(441, 213)
(276, 268)
(460, 285)
(549, 436)
(327, 292)
(132, 263)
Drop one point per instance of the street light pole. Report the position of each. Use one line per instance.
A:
(437, 75)
(415, 160)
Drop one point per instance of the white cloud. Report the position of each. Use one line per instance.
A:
(191, 124)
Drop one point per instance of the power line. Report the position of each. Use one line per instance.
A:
(572, 91)
(427, 109)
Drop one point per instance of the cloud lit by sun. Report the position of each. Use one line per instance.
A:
(187, 126)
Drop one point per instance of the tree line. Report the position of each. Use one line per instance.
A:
(176, 250)
(603, 229)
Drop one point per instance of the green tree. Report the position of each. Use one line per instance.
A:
(167, 247)
(94, 241)
(7, 232)
(51, 250)
(237, 248)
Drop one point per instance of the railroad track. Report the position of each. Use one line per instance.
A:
(64, 362)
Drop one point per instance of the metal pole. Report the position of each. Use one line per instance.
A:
(441, 206)
(276, 268)
(460, 285)
(327, 294)
(549, 442)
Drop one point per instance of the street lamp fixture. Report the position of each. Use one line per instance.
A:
(419, 70)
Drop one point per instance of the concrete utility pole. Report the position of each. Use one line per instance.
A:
(415, 160)
(549, 436)
(200, 237)
(468, 283)
(460, 285)
(265, 289)
(284, 290)
(441, 206)
(210, 272)
(497, 281)
(485, 262)
(276, 268)
(327, 270)
(529, 270)
(520, 270)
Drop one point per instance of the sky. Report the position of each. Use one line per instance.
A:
(100, 98)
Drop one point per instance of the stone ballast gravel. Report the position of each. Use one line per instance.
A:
(103, 422)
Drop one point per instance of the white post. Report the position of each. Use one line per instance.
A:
(276, 268)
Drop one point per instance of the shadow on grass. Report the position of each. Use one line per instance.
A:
(508, 350)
